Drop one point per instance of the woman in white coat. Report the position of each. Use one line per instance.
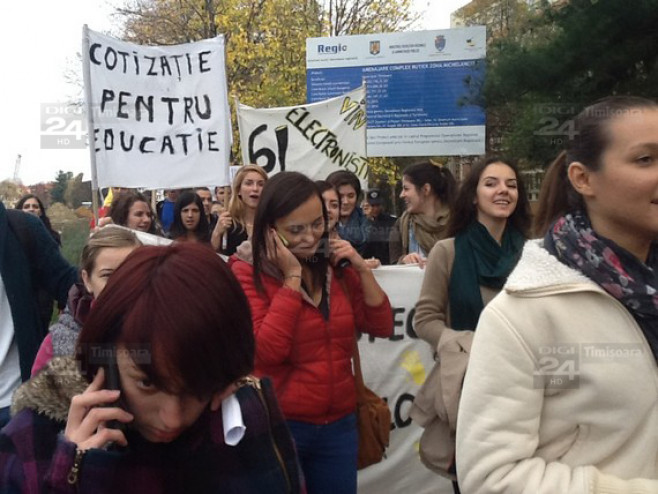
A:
(561, 392)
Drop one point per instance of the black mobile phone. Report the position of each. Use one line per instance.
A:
(113, 382)
(343, 263)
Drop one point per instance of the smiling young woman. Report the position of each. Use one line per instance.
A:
(290, 275)
(487, 229)
(561, 392)
(132, 210)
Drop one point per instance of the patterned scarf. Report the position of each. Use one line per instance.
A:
(573, 241)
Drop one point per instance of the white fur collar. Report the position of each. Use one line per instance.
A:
(539, 270)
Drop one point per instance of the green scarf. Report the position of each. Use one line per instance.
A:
(479, 261)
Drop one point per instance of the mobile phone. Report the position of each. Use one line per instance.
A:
(343, 263)
(284, 240)
(113, 382)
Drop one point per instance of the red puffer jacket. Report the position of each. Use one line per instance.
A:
(310, 359)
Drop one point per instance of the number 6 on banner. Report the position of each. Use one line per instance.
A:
(281, 134)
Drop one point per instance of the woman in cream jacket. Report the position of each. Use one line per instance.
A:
(561, 392)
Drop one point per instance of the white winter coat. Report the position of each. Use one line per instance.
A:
(561, 391)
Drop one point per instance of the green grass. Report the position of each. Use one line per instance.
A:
(74, 236)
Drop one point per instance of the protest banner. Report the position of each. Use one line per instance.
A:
(158, 116)
(395, 368)
(314, 139)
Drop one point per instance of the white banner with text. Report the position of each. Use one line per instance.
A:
(314, 139)
(158, 115)
(395, 368)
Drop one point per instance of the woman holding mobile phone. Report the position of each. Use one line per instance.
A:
(331, 200)
(306, 312)
(176, 324)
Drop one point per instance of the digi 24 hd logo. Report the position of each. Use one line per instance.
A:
(558, 367)
(63, 126)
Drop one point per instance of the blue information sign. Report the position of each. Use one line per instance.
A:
(407, 95)
(422, 88)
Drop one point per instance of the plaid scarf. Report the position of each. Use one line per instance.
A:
(633, 283)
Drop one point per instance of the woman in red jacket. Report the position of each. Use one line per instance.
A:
(306, 313)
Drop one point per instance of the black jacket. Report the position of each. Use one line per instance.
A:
(30, 260)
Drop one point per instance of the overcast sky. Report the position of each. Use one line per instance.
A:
(39, 43)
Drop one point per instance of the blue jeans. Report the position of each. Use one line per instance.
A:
(327, 454)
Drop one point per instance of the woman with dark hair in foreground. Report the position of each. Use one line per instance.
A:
(561, 392)
(306, 312)
(164, 402)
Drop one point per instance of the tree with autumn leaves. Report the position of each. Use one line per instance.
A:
(265, 39)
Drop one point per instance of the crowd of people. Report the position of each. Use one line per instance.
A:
(172, 369)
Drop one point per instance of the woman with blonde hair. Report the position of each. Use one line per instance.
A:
(104, 251)
(238, 222)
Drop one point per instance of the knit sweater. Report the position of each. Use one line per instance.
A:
(63, 335)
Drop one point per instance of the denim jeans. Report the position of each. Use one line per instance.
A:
(327, 454)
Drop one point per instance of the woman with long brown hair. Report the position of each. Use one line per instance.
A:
(487, 229)
(561, 393)
(428, 191)
(306, 310)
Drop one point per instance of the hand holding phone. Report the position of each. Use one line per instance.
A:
(283, 239)
(341, 251)
(279, 253)
(90, 413)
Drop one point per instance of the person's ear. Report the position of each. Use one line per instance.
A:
(86, 280)
(581, 178)
(426, 189)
